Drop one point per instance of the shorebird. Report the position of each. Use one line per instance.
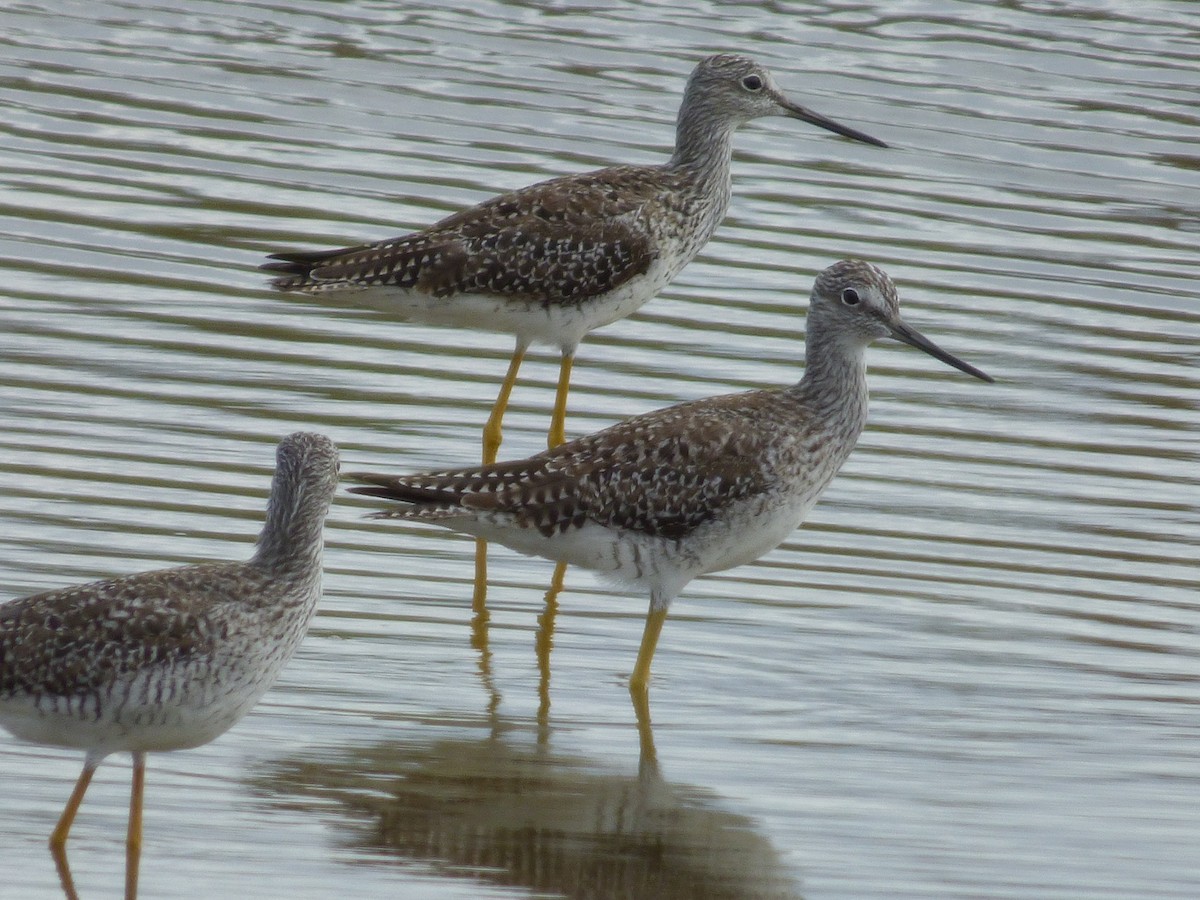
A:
(550, 262)
(171, 659)
(694, 488)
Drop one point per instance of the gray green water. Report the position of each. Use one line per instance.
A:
(974, 673)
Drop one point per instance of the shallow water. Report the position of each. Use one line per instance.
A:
(973, 673)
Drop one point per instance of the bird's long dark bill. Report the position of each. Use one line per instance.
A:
(807, 115)
(914, 338)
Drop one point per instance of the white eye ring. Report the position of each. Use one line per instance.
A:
(850, 297)
(752, 83)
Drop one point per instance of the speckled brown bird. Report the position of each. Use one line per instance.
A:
(170, 659)
(550, 262)
(699, 487)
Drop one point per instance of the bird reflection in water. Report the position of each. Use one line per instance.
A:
(505, 811)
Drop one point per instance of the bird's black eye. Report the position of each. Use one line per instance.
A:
(752, 83)
(850, 297)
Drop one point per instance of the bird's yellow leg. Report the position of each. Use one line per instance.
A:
(479, 595)
(558, 434)
(639, 683)
(545, 635)
(492, 434)
(558, 422)
(556, 587)
(648, 757)
(66, 882)
(545, 643)
(133, 841)
(58, 837)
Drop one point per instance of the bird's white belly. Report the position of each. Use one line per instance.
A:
(152, 711)
(591, 546)
(561, 325)
(762, 525)
(660, 564)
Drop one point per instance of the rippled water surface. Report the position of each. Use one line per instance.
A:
(975, 672)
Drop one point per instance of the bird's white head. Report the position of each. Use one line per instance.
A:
(857, 302)
(735, 89)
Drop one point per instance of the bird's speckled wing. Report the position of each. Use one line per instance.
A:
(662, 474)
(557, 241)
(76, 640)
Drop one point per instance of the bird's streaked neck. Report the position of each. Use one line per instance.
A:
(293, 535)
(835, 371)
(703, 141)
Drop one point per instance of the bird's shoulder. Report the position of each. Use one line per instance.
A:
(87, 634)
(603, 200)
(558, 241)
(663, 473)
